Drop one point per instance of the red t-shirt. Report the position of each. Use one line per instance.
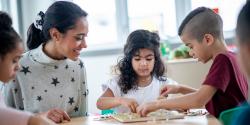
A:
(231, 84)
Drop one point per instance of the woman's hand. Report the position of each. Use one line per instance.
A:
(57, 115)
(130, 103)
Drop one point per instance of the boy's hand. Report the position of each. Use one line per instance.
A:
(169, 89)
(146, 108)
(130, 103)
(57, 115)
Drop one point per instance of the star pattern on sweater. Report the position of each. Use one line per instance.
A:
(86, 93)
(55, 81)
(39, 98)
(80, 64)
(16, 90)
(25, 70)
(67, 66)
(71, 100)
(21, 108)
(76, 108)
(72, 79)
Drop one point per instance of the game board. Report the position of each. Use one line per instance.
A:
(157, 115)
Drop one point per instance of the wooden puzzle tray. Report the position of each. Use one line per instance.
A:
(157, 115)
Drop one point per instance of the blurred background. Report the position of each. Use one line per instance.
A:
(110, 22)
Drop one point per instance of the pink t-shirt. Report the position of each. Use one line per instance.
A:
(231, 84)
(9, 116)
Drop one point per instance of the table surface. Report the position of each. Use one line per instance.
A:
(188, 120)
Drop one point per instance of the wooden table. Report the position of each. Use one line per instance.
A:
(188, 120)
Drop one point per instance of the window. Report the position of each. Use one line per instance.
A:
(113, 19)
(10, 6)
(154, 15)
(0, 5)
(227, 9)
(110, 21)
(102, 21)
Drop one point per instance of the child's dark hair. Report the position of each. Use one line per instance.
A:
(243, 24)
(61, 15)
(137, 40)
(8, 36)
(202, 21)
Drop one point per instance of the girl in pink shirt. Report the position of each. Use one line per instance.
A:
(11, 49)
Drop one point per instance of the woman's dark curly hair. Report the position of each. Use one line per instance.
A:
(139, 39)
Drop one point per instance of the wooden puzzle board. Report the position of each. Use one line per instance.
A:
(157, 115)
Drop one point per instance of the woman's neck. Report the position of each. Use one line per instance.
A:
(144, 81)
(50, 50)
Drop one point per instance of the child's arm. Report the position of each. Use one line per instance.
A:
(174, 89)
(107, 101)
(193, 100)
(38, 120)
(9, 116)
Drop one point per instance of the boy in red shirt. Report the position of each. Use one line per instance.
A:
(225, 86)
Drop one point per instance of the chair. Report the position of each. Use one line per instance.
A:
(227, 116)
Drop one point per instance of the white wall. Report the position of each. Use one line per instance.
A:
(188, 72)
(30, 9)
(98, 71)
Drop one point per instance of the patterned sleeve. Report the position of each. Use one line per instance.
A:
(84, 89)
(13, 95)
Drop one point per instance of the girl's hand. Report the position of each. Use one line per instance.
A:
(169, 89)
(146, 108)
(57, 115)
(130, 103)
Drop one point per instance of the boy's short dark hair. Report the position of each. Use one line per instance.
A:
(202, 21)
(243, 24)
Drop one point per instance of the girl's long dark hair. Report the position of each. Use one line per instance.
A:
(137, 40)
